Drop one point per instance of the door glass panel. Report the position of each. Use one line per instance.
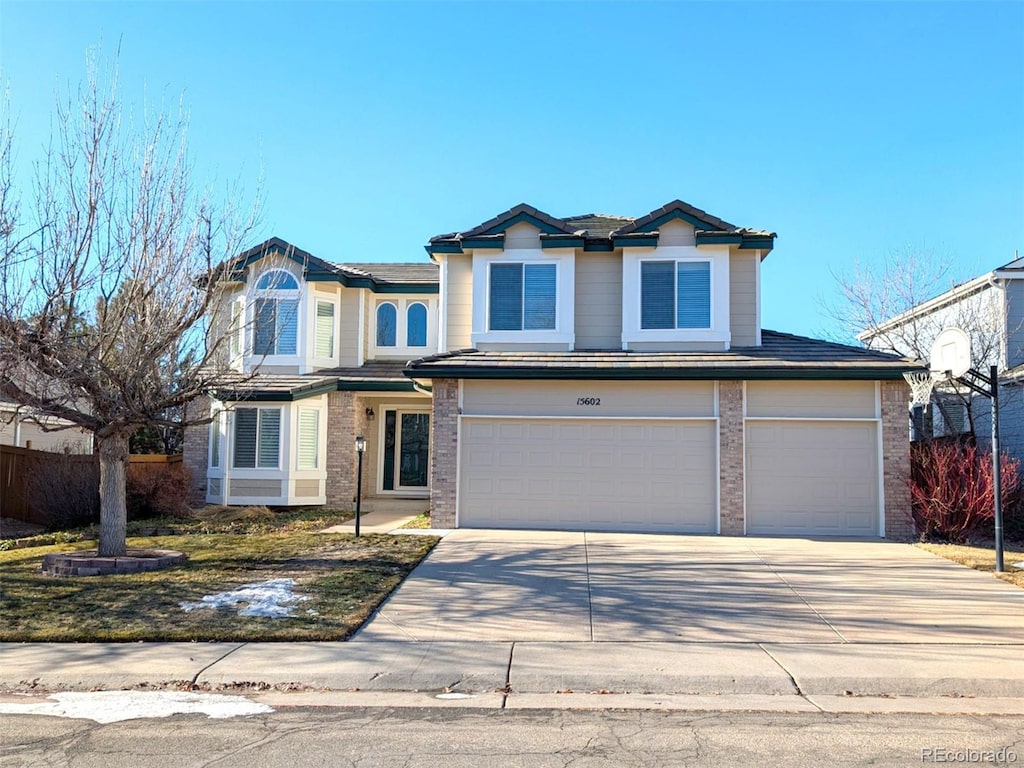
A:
(415, 450)
(389, 450)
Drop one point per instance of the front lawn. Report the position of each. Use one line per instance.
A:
(344, 578)
(982, 558)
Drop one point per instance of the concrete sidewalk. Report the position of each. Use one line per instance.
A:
(793, 677)
(532, 619)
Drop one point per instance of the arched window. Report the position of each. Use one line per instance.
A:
(387, 325)
(276, 314)
(277, 280)
(416, 325)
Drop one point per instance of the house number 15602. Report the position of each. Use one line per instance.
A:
(588, 401)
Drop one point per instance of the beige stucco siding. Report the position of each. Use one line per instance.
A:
(348, 328)
(676, 232)
(743, 298)
(811, 399)
(598, 301)
(459, 301)
(591, 399)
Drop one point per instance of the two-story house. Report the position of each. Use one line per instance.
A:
(591, 372)
(990, 310)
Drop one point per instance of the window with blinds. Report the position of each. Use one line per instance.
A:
(257, 438)
(276, 314)
(324, 329)
(215, 440)
(309, 438)
(523, 297)
(675, 295)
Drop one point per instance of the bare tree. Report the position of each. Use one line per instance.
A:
(107, 278)
(903, 304)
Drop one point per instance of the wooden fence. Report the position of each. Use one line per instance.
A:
(17, 466)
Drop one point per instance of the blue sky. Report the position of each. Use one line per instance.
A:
(851, 129)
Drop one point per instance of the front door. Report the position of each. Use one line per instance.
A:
(406, 459)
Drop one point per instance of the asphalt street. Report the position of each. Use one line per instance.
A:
(414, 738)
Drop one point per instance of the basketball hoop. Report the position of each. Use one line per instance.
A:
(921, 384)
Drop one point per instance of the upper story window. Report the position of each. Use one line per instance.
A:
(276, 314)
(402, 324)
(324, 331)
(522, 297)
(387, 325)
(416, 325)
(675, 295)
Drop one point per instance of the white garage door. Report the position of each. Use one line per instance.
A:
(589, 474)
(816, 478)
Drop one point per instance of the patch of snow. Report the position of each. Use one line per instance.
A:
(1018, 565)
(115, 706)
(273, 599)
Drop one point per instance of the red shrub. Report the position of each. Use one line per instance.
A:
(952, 491)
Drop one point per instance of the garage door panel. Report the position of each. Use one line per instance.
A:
(812, 478)
(612, 475)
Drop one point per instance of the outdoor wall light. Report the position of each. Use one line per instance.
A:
(370, 415)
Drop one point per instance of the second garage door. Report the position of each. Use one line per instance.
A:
(589, 474)
(816, 478)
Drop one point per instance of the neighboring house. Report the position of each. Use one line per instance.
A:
(24, 428)
(592, 372)
(990, 308)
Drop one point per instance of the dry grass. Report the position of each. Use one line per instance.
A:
(420, 521)
(345, 579)
(982, 559)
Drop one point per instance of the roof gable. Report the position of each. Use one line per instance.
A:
(677, 209)
(389, 278)
(520, 213)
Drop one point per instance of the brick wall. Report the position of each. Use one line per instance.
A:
(444, 449)
(896, 460)
(196, 450)
(730, 442)
(341, 450)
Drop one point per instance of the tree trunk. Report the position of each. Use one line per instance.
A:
(113, 452)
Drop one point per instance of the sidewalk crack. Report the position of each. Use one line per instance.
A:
(792, 680)
(215, 662)
(508, 676)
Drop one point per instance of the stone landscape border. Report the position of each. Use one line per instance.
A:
(89, 563)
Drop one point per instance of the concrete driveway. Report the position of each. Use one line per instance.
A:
(540, 586)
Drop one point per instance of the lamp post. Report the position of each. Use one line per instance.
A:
(360, 450)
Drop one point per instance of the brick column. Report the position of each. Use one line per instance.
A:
(730, 443)
(444, 450)
(341, 450)
(899, 524)
(196, 450)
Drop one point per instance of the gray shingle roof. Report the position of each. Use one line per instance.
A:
(382, 273)
(597, 224)
(377, 374)
(781, 356)
(600, 226)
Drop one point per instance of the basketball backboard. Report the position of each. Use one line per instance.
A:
(951, 353)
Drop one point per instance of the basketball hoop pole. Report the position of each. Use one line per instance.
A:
(990, 389)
